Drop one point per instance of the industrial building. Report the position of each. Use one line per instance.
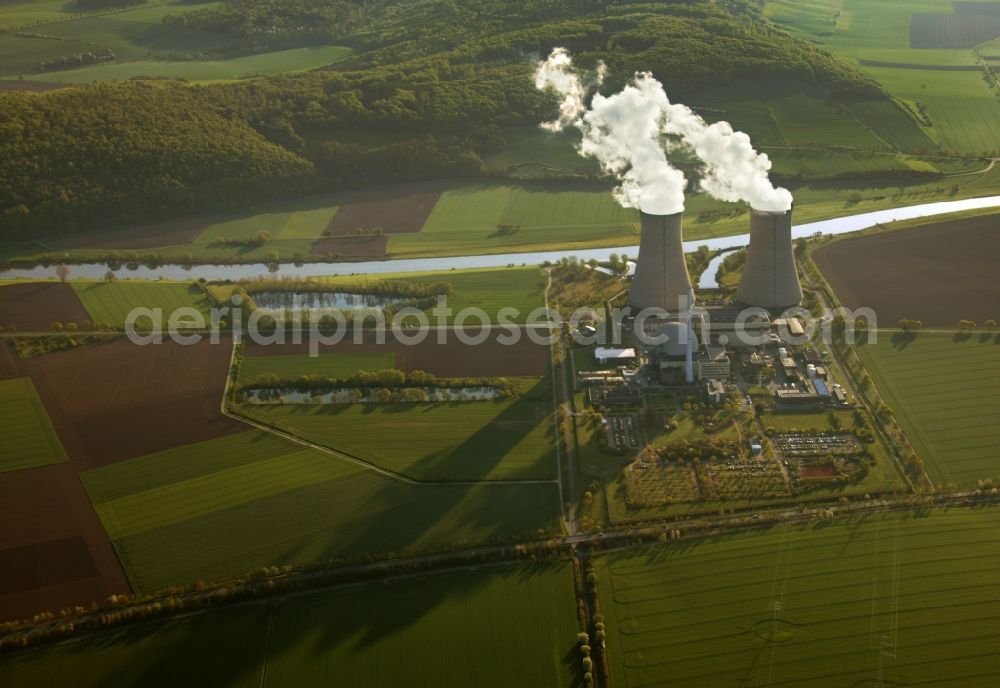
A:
(605, 355)
(661, 277)
(677, 353)
(720, 324)
(713, 362)
(770, 278)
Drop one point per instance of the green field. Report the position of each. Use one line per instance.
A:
(468, 440)
(143, 44)
(326, 365)
(22, 12)
(28, 437)
(464, 220)
(497, 626)
(819, 164)
(779, 113)
(945, 397)
(534, 153)
(285, 221)
(962, 107)
(219, 508)
(490, 289)
(133, 33)
(277, 62)
(111, 302)
(811, 605)
(484, 206)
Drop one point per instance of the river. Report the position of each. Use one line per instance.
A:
(840, 225)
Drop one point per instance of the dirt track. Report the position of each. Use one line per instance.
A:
(36, 305)
(453, 359)
(939, 273)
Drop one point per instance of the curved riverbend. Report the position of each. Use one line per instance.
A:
(840, 225)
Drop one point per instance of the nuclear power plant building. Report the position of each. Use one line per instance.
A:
(661, 277)
(770, 279)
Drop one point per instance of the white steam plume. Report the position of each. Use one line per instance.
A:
(734, 171)
(623, 132)
(557, 73)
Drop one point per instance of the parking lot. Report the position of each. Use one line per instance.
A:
(622, 432)
(796, 445)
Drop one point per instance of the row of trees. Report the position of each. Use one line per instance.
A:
(389, 378)
(373, 287)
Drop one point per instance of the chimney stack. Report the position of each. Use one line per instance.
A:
(661, 277)
(770, 278)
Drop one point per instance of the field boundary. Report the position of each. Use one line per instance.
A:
(227, 411)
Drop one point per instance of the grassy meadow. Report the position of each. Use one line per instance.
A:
(219, 508)
(468, 440)
(810, 605)
(465, 219)
(961, 105)
(28, 438)
(277, 62)
(144, 46)
(942, 387)
(111, 302)
(455, 629)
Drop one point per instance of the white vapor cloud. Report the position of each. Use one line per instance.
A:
(734, 171)
(621, 131)
(556, 73)
(624, 133)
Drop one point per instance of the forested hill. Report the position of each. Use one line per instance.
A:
(452, 73)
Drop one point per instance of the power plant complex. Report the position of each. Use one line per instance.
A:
(663, 296)
(770, 276)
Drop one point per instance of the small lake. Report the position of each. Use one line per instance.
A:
(280, 301)
(370, 395)
(707, 279)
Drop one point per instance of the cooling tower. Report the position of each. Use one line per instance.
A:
(770, 279)
(661, 277)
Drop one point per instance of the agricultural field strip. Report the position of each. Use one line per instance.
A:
(29, 438)
(327, 365)
(357, 514)
(450, 435)
(112, 301)
(271, 62)
(193, 494)
(962, 427)
(190, 499)
(369, 465)
(968, 598)
(538, 627)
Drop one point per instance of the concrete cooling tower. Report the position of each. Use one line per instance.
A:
(661, 277)
(770, 278)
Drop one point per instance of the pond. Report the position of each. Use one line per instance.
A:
(278, 301)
